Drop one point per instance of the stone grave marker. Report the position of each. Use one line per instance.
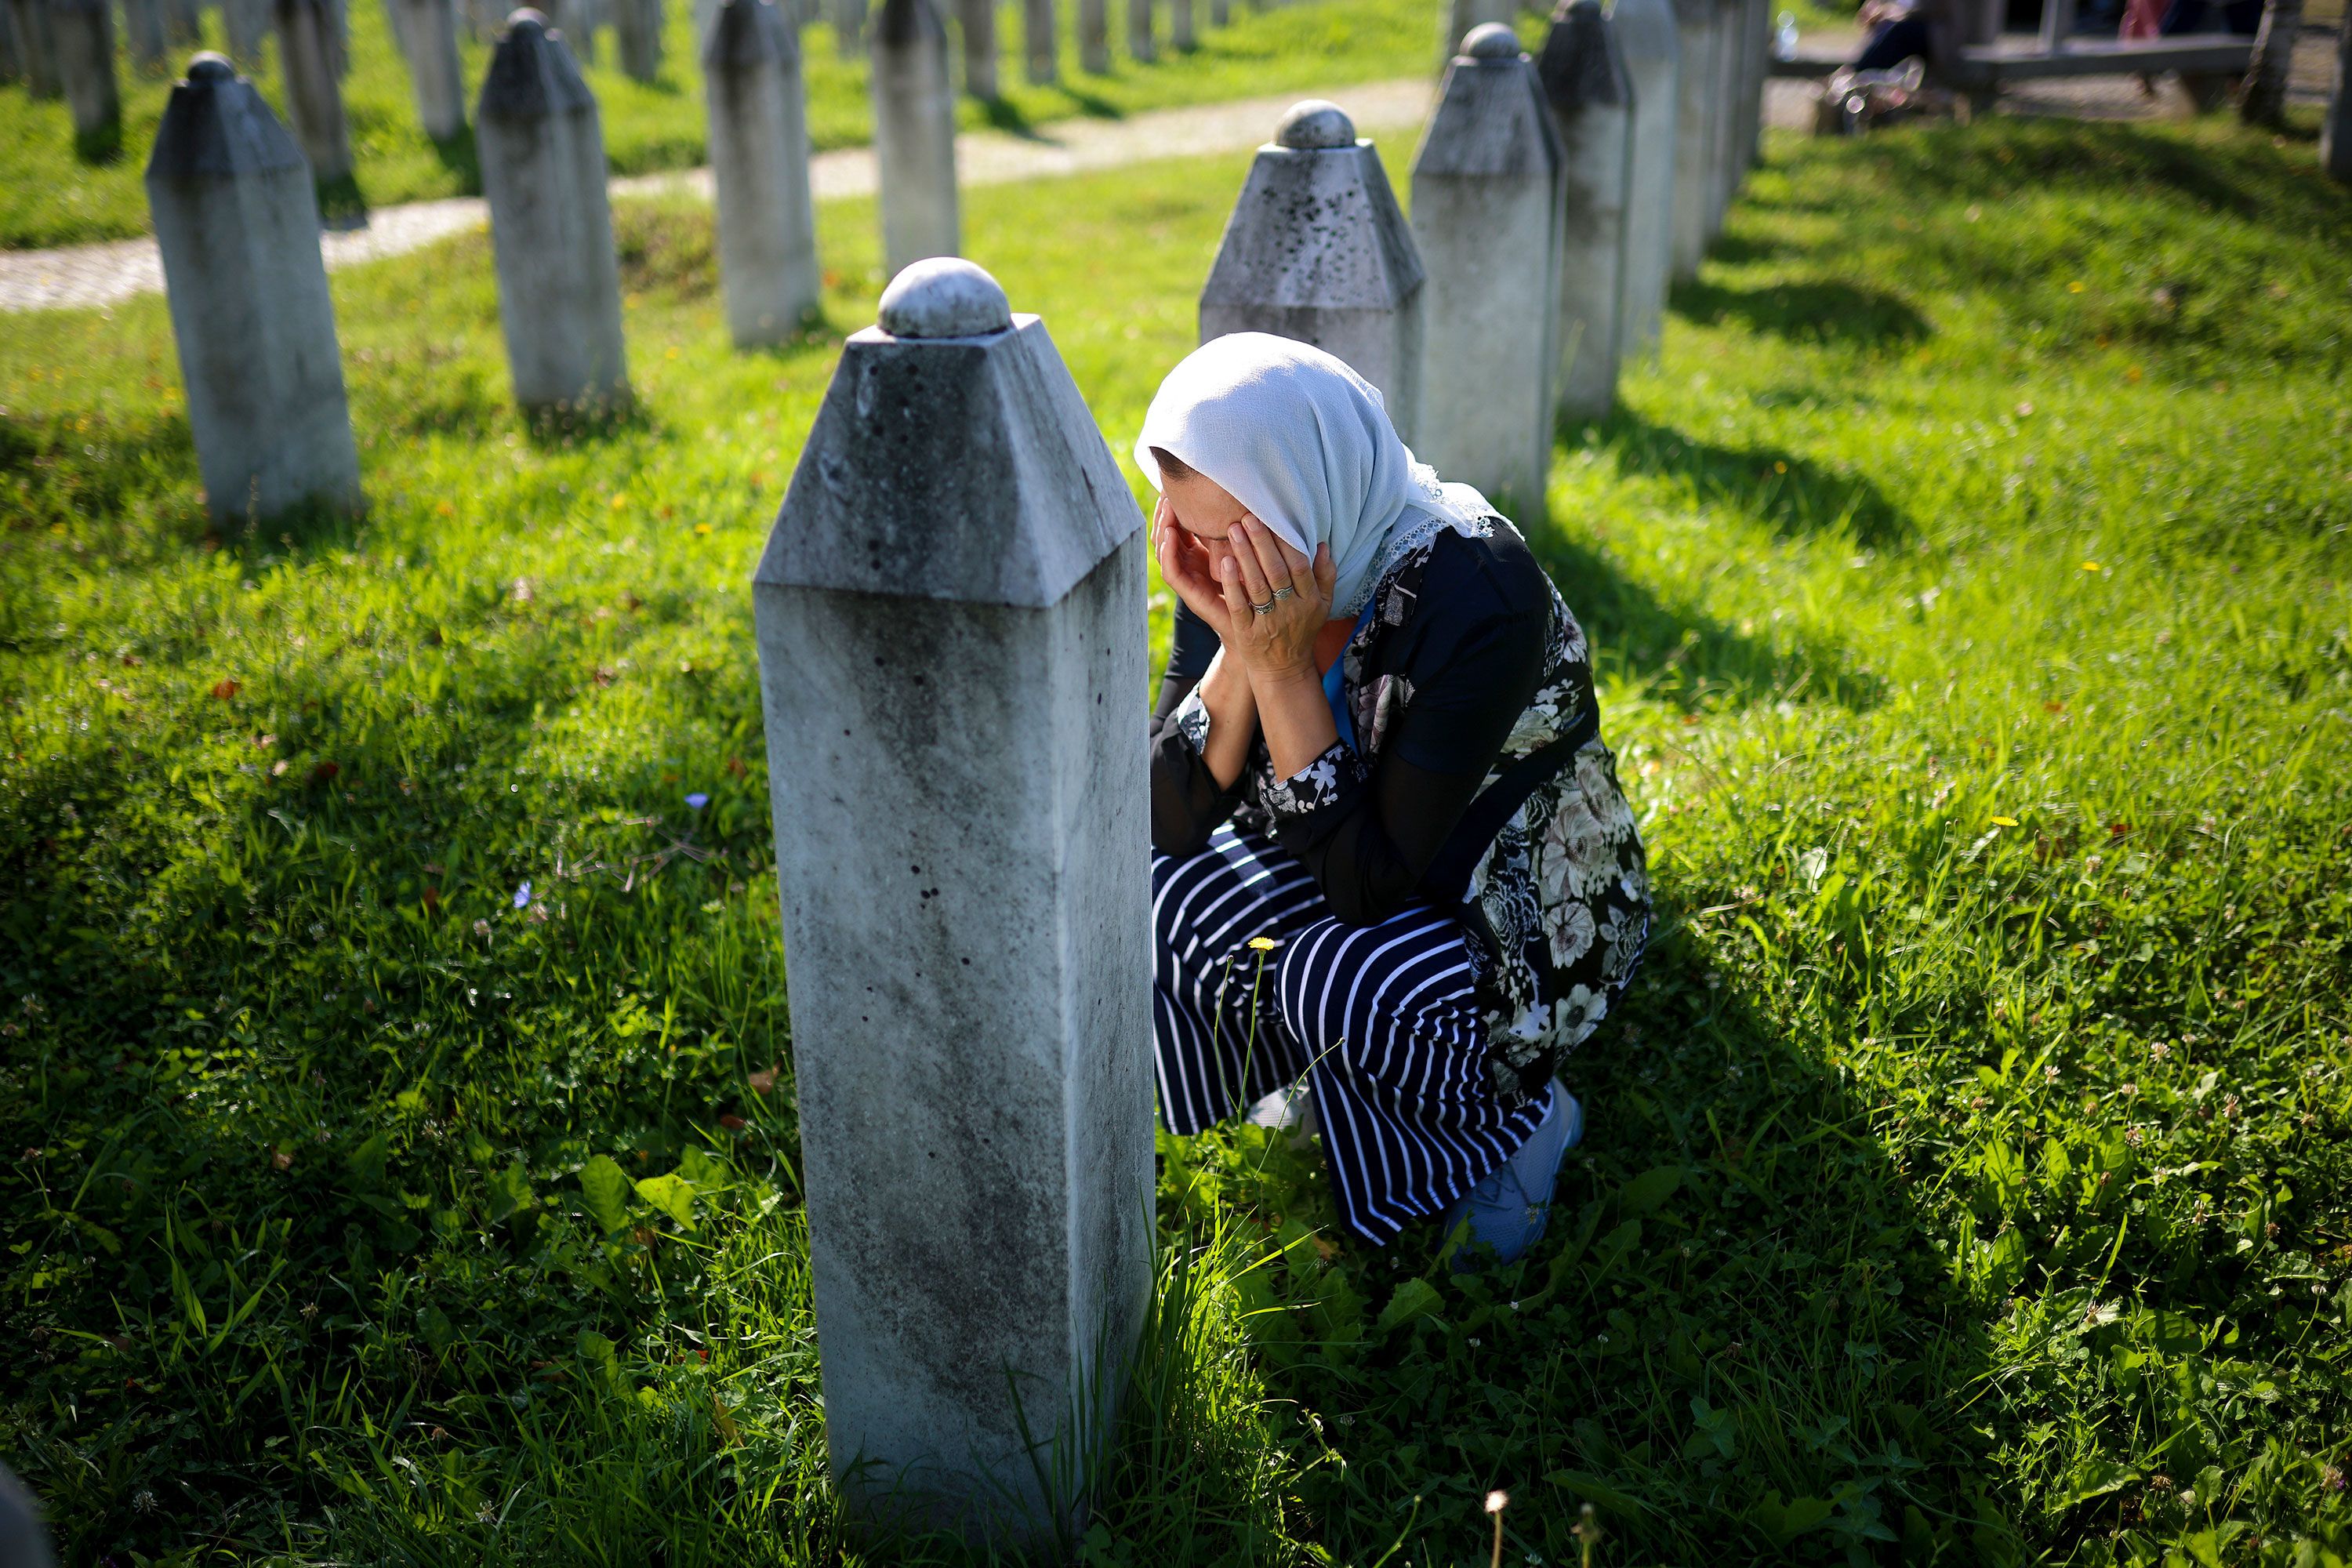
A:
(1694, 117)
(1645, 31)
(237, 221)
(1592, 100)
(758, 166)
(914, 135)
(1317, 250)
(428, 38)
(314, 88)
(1140, 43)
(1041, 45)
(35, 49)
(1094, 37)
(143, 34)
(952, 634)
(82, 33)
(543, 154)
(976, 19)
(1487, 221)
(638, 30)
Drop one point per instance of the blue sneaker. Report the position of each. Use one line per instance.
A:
(1508, 1211)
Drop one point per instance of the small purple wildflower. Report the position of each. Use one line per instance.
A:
(697, 801)
(522, 896)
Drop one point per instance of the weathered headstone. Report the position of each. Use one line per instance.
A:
(1487, 221)
(759, 164)
(2335, 126)
(576, 22)
(1220, 13)
(314, 93)
(237, 223)
(977, 19)
(948, 607)
(428, 35)
(1591, 99)
(1040, 45)
(1645, 32)
(36, 47)
(247, 23)
(1094, 37)
(1464, 17)
(638, 30)
(1694, 117)
(1182, 37)
(849, 27)
(143, 34)
(1317, 250)
(1757, 65)
(83, 33)
(1140, 43)
(914, 135)
(541, 148)
(1724, 166)
(182, 21)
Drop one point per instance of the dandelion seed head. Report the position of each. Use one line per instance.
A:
(1497, 1502)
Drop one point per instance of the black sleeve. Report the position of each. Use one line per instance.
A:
(1186, 804)
(1473, 654)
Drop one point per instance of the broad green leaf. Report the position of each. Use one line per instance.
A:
(1415, 1298)
(704, 1170)
(608, 1192)
(673, 1195)
(1784, 1521)
(511, 1193)
(1651, 1188)
(366, 1161)
(2096, 1476)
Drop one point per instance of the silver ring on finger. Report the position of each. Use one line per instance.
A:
(1285, 592)
(1265, 609)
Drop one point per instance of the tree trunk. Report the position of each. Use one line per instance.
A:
(2264, 102)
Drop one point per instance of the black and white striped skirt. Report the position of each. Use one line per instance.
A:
(1383, 1022)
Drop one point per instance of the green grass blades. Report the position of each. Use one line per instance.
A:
(48, 196)
(397, 1102)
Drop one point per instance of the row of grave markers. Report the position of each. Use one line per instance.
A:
(1551, 208)
(65, 49)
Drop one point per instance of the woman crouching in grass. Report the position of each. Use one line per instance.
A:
(1378, 782)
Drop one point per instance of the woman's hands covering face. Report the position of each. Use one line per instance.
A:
(1224, 581)
(1275, 601)
(1190, 568)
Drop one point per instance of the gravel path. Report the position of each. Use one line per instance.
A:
(92, 275)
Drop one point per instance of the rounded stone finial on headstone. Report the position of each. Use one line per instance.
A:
(209, 67)
(1315, 123)
(526, 15)
(1492, 41)
(944, 296)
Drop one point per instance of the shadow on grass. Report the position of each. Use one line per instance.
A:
(341, 203)
(1784, 490)
(1684, 658)
(457, 154)
(1738, 1330)
(101, 146)
(1821, 311)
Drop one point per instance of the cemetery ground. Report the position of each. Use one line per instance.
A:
(397, 1107)
(50, 197)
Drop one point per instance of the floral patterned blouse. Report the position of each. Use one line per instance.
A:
(1468, 660)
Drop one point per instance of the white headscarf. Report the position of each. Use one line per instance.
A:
(1305, 443)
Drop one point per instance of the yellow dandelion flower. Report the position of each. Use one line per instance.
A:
(2092, 566)
(2004, 822)
(1263, 944)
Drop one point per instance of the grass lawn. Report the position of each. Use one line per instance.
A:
(397, 1141)
(47, 197)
